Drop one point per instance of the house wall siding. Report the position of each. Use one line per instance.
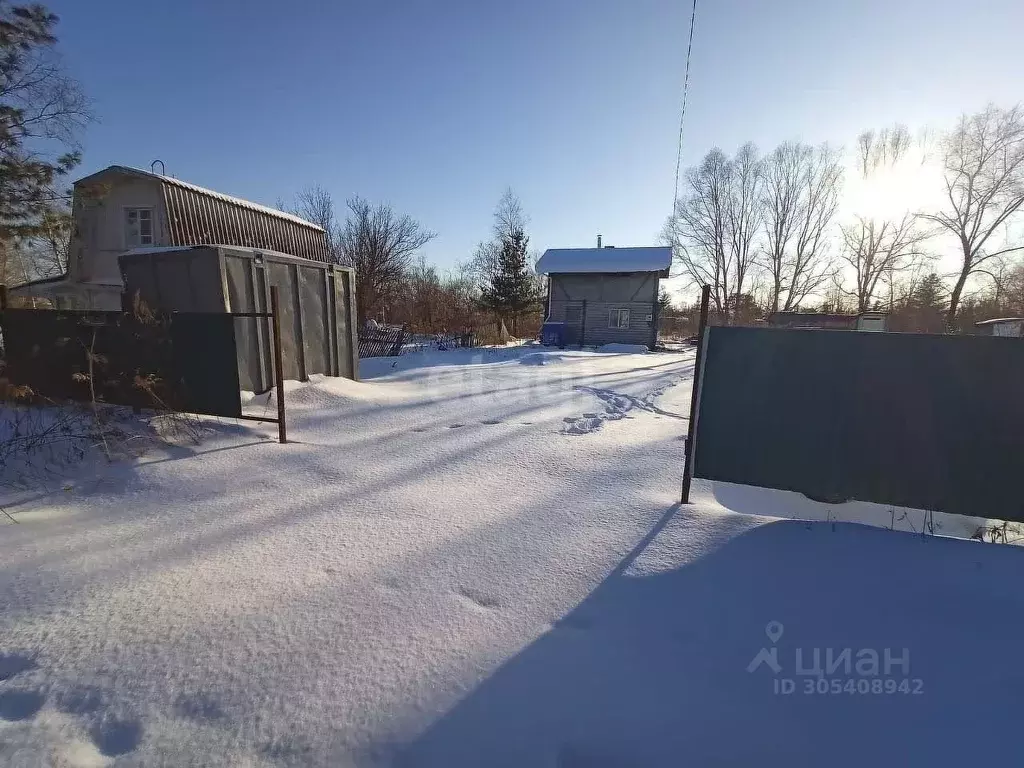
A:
(637, 292)
(181, 216)
(99, 216)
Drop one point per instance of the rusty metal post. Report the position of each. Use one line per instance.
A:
(698, 364)
(275, 320)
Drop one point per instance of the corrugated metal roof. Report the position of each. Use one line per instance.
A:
(608, 259)
(209, 193)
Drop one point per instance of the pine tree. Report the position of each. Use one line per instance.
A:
(927, 304)
(512, 289)
(664, 302)
(930, 293)
(40, 109)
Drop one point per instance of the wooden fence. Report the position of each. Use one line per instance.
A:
(381, 341)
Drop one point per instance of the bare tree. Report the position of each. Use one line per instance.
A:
(714, 226)
(800, 198)
(48, 247)
(882, 149)
(744, 212)
(316, 205)
(380, 244)
(983, 169)
(508, 219)
(879, 251)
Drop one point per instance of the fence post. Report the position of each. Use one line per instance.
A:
(275, 320)
(698, 364)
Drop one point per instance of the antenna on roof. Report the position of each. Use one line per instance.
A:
(163, 168)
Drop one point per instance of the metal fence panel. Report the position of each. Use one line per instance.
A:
(313, 314)
(931, 422)
(316, 328)
(182, 362)
(283, 276)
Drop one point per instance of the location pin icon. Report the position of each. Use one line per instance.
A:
(774, 631)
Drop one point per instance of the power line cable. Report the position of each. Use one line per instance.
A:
(682, 112)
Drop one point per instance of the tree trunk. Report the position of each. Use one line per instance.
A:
(954, 298)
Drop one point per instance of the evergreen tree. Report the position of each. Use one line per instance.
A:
(930, 294)
(927, 305)
(664, 302)
(41, 110)
(512, 290)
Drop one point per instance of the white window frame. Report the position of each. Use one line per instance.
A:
(615, 319)
(152, 226)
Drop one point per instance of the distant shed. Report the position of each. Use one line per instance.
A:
(863, 321)
(605, 295)
(1002, 326)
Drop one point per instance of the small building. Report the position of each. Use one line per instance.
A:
(1002, 326)
(605, 295)
(121, 209)
(863, 321)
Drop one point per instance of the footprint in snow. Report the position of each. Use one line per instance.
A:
(478, 598)
(115, 737)
(12, 664)
(581, 425)
(199, 707)
(81, 700)
(20, 705)
(455, 426)
(491, 421)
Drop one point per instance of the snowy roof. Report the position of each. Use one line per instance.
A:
(609, 259)
(208, 192)
(997, 320)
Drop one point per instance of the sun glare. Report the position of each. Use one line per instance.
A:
(913, 185)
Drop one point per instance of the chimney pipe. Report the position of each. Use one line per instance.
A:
(598, 241)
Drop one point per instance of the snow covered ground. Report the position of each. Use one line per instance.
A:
(475, 558)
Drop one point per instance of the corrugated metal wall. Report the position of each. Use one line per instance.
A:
(197, 219)
(317, 309)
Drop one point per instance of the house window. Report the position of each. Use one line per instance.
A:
(138, 227)
(618, 318)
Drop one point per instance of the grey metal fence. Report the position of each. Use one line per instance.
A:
(317, 305)
(924, 421)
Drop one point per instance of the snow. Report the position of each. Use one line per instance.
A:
(581, 260)
(442, 570)
(628, 349)
(540, 358)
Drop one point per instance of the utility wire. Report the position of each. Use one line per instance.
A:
(682, 113)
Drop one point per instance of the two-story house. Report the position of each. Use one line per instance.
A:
(605, 295)
(122, 209)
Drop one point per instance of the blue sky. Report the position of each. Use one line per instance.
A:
(437, 106)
